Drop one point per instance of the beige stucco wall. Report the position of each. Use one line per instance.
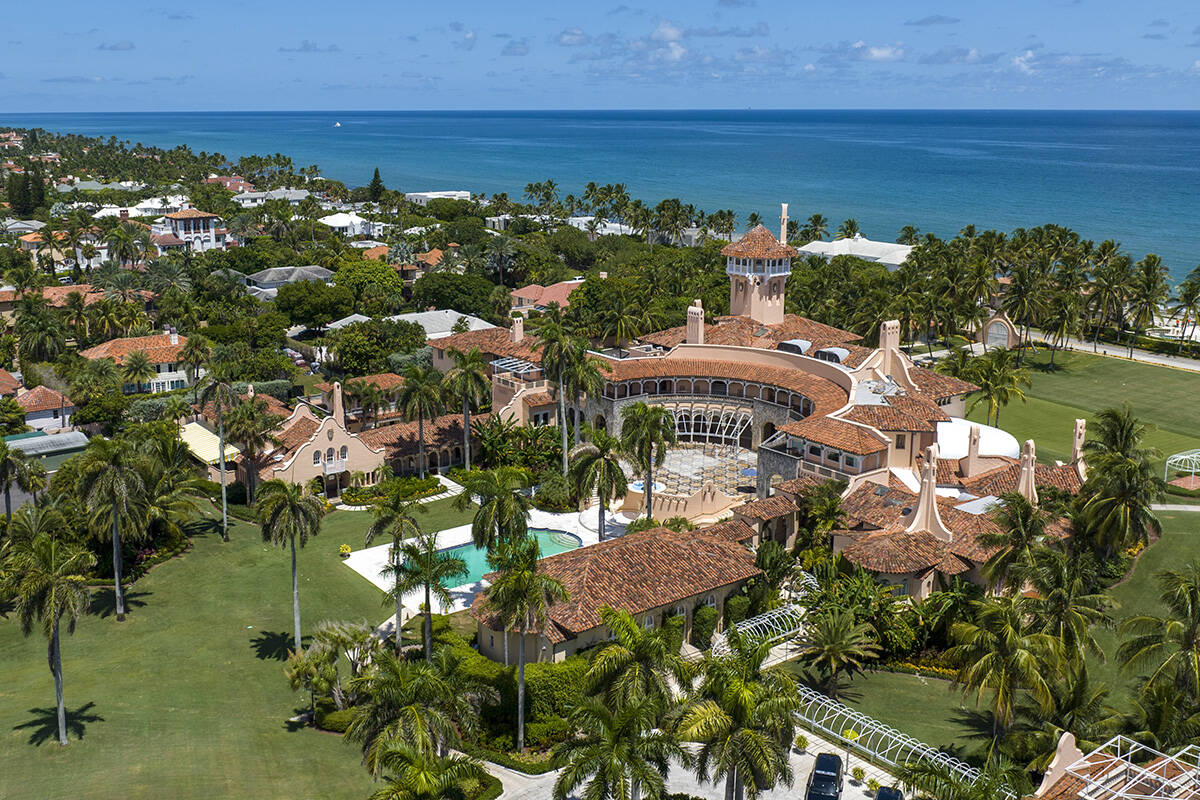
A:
(300, 467)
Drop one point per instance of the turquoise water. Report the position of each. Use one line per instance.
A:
(1133, 176)
(549, 543)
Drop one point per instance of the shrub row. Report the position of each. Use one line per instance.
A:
(327, 717)
(704, 625)
(528, 766)
(411, 487)
(908, 668)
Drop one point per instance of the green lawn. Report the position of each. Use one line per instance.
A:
(1163, 397)
(350, 527)
(187, 698)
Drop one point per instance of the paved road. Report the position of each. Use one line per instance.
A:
(921, 354)
(1175, 507)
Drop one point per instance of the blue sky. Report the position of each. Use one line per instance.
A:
(317, 54)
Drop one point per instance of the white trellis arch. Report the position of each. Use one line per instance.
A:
(775, 625)
(883, 743)
(1188, 461)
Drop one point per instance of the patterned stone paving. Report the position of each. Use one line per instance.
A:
(688, 467)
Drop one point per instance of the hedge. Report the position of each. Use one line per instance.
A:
(280, 389)
(704, 625)
(491, 788)
(1179, 491)
(410, 486)
(673, 627)
(737, 608)
(511, 761)
(909, 668)
(541, 734)
(327, 717)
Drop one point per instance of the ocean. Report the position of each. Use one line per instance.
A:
(1130, 176)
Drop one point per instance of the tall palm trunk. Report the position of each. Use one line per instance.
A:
(56, 669)
(116, 537)
(295, 595)
(396, 562)
(7, 494)
(650, 487)
(600, 505)
(467, 432)
(421, 443)
(521, 690)
(578, 421)
(731, 783)
(562, 417)
(221, 457)
(428, 626)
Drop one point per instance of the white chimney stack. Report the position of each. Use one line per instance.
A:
(695, 323)
(783, 220)
(517, 334)
(926, 516)
(1077, 449)
(1026, 479)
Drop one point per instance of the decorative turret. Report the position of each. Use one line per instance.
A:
(973, 466)
(339, 409)
(758, 266)
(1026, 480)
(517, 332)
(926, 516)
(1077, 449)
(695, 323)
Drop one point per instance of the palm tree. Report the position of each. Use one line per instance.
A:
(1022, 532)
(1186, 307)
(742, 716)
(33, 479)
(1148, 292)
(421, 396)
(425, 567)
(848, 229)
(111, 483)
(1123, 484)
(556, 345)
(468, 381)
(418, 775)
(1000, 380)
(12, 466)
(1065, 606)
(999, 778)
(1000, 651)
(909, 235)
(218, 390)
(287, 512)
(47, 579)
(645, 433)
(252, 427)
(584, 376)
(1168, 645)
(596, 467)
(834, 642)
(635, 665)
(394, 515)
(521, 596)
(1078, 707)
(618, 752)
(503, 513)
(1025, 300)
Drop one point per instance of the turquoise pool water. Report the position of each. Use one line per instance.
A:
(549, 543)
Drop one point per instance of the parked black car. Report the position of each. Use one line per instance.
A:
(825, 781)
(889, 793)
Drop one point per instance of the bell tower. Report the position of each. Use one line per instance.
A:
(758, 266)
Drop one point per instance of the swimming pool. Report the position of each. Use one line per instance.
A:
(550, 543)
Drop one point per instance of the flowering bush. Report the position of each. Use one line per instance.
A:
(909, 668)
(344, 550)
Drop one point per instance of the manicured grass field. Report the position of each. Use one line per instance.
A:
(1166, 398)
(187, 698)
(350, 527)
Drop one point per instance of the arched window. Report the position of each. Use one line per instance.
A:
(342, 454)
(329, 454)
(316, 457)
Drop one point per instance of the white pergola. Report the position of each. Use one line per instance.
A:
(1122, 769)
(1188, 461)
(776, 625)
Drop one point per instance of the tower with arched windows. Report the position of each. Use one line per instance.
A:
(758, 266)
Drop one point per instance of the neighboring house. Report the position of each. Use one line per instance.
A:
(423, 198)
(387, 383)
(231, 183)
(162, 349)
(23, 226)
(439, 323)
(265, 283)
(252, 199)
(650, 574)
(890, 254)
(536, 297)
(45, 409)
(9, 385)
(149, 207)
(199, 229)
(351, 224)
(57, 296)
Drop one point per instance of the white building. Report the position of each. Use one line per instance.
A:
(151, 206)
(163, 350)
(256, 199)
(265, 283)
(351, 224)
(439, 323)
(890, 254)
(45, 409)
(199, 229)
(423, 198)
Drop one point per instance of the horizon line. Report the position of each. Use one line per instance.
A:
(612, 110)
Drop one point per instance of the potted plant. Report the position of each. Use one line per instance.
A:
(801, 743)
(872, 787)
(858, 773)
(344, 550)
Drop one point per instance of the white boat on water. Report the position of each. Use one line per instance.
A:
(337, 124)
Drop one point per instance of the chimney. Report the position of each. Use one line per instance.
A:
(783, 219)
(517, 333)
(1026, 484)
(339, 410)
(695, 323)
(1077, 449)
(926, 516)
(174, 335)
(889, 345)
(124, 213)
(973, 467)
(603, 276)
(250, 391)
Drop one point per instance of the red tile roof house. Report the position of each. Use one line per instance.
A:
(649, 573)
(45, 409)
(162, 349)
(536, 297)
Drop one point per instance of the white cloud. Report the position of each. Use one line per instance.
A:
(666, 32)
(308, 46)
(1024, 62)
(573, 37)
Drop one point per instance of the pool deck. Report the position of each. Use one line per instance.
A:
(371, 561)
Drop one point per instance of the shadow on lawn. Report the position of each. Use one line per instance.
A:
(204, 526)
(44, 725)
(274, 645)
(104, 602)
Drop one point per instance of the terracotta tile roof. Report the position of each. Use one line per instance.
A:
(431, 258)
(1003, 479)
(43, 398)
(919, 407)
(296, 434)
(57, 295)
(937, 386)
(758, 243)
(826, 395)
(885, 417)
(380, 380)
(1075, 787)
(746, 332)
(167, 240)
(539, 399)
(542, 296)
(733, 530)
(191, 213)
(494, 342)
(800, 486)
(376, 253)
(766, 508)
(157, 347)
(844, 436)
(274, 406)
(900, 552)
(636, 572)
(8, 383)
(401, 439)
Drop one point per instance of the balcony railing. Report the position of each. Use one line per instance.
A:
(335, 466)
